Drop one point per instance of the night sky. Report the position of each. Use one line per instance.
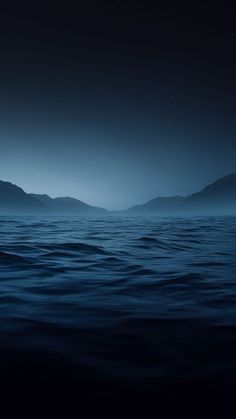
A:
(117, 102)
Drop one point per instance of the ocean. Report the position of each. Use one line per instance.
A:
(133, 315)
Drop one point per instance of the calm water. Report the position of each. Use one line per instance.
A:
(119, 309)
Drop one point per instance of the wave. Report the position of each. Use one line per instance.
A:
(127, 304)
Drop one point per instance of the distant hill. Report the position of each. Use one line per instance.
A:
(67, 205)
(14, 200)
(216, 198)
(169, 205)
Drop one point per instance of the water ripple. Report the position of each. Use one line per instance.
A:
(130, 299)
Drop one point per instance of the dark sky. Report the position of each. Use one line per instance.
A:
(117, 102)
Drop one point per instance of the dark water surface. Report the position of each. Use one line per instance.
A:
(133, 314)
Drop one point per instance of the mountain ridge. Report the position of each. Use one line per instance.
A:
(14, 200)
(218, 197)
(215, 198)
(67, 204)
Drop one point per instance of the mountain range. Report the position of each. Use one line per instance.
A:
(14, 200)
(216, 198)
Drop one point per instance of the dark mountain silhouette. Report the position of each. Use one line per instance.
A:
(67, 205)
(163, 205)
(14, 200)
(216, 198)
